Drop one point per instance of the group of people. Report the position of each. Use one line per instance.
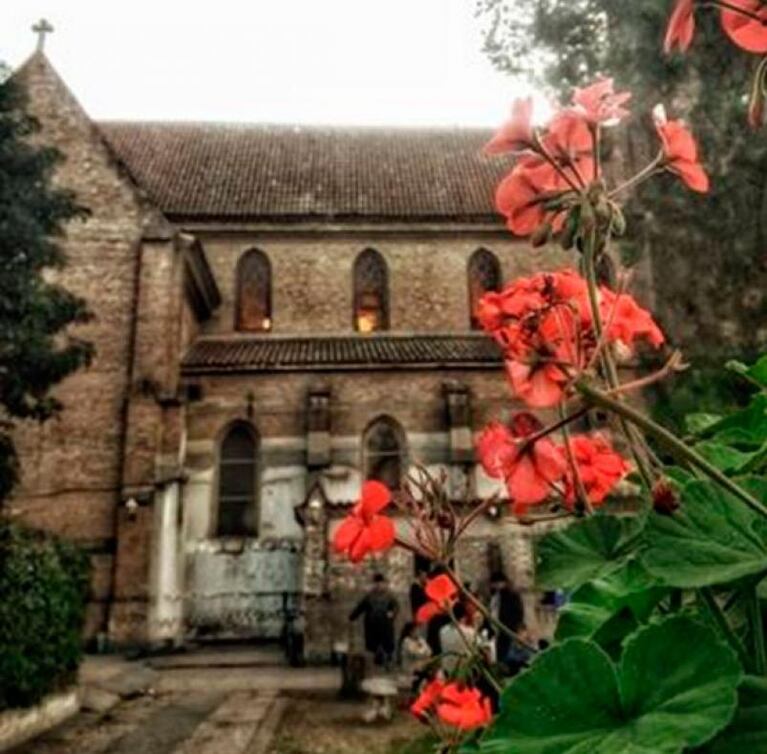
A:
(445, 641)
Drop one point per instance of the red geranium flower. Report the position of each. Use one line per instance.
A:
(529, 469)
(463, 707)
(681, 27)
(626, 320)
(516, 134)
(600, 103)
(680, 150)
(428, 697)
(599, 466)
(538, 385)
(746, 32)
(442, 593)
(364, 530)
(522, 194)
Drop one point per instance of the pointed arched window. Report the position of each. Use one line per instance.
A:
(254, 292)
(484, 274)
(371, 292)
(238, 483)
(383, 447)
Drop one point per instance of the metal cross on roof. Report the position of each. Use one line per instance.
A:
(41, 28)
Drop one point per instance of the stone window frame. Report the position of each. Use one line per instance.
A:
(401, 437)
(483, 274)
(251, 532)
(370, 277)
(266, 291)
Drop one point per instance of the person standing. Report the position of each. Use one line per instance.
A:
(379, 609)
(507, 608)
(418, 593)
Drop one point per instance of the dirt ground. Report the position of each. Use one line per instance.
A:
(321, 724)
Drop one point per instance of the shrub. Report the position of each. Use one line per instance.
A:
(43, 587)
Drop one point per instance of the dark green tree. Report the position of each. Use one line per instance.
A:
(36, 351)
(708, 253)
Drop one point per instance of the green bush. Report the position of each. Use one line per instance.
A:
(43, 588)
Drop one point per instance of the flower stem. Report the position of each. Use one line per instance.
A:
(717, 614)
(754, 612)
(610, 371)
(640, 177)
(671, 442)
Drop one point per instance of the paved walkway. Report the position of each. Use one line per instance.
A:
(187, 705)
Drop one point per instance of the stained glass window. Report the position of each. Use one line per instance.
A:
(484, 275)
(254, 292)
(371, 292)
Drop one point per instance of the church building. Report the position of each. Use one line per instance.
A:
(279, 313)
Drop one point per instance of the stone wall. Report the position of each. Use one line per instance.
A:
(70, 466)
(312, 275)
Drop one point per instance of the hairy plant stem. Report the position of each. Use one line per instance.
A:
(486, 614)
(675, 446)
(717, 614)
(640, 177)
(610, 371)
(754, 611)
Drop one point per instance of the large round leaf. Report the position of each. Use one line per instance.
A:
(713, 538)
(630, 591)
(675, 687)
(748, 730)
(586, 550)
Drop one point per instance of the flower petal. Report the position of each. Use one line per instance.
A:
(374, 498)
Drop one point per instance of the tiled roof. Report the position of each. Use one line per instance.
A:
(207, 171)
(280, 353)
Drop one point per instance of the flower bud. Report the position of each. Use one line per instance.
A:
(618, 220)
(541, 235)
(587, 217)
(665, 499)
(570, 230)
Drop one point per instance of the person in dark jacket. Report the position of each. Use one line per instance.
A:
(507, 608)
(418, 596)
(379, 608)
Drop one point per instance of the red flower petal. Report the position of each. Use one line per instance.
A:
(441, 589)
(517, 133)
(346, 534)
(747, 33)
(681, 27)
(374, 498)
(382, 533)
(693, 175)
(526, 485)
(427, 611)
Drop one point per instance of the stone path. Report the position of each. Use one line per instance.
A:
(197, 722)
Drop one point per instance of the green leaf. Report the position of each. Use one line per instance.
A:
(756, 373)
(713, 538)
(724, 457)
(586, 550)
(674, 687)
(700, 422)
(747, 427)
(748, 730)
(629, 593)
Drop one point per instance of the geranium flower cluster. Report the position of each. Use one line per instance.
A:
(457, 705)
(546, 328)
(535, 468)
(556, 164)
(744, 22)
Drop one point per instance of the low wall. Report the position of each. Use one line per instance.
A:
(20, 725)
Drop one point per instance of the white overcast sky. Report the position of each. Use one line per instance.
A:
(409, 62)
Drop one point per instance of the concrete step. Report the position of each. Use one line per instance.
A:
(221, 658)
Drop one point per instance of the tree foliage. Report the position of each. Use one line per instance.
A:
(36, 351)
